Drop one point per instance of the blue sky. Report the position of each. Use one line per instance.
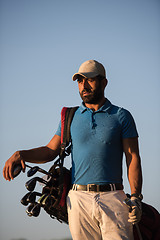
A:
(42, 44)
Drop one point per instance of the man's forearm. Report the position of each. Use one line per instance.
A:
(135, 175)
(38, 155)
(35, 155)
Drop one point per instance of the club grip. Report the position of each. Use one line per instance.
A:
(17, 169)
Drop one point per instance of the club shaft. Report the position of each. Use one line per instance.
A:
(138, 231)
(41, 170)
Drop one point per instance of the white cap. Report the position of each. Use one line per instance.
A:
(90, 69)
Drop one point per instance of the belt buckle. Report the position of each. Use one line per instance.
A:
(89, 187)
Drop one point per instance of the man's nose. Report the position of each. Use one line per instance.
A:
(85, 83)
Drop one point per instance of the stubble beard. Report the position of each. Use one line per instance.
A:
(94, 96)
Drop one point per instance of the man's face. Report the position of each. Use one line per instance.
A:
(90, 89)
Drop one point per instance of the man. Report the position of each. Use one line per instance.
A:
(100, 133)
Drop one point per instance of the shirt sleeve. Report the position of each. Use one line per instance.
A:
(58, 132)
(127, 122)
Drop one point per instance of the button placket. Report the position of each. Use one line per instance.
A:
(93, 121)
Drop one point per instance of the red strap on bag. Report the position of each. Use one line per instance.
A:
(67, 180)
(63, 117)
(66, 119)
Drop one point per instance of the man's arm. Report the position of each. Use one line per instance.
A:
(131, 150)
(36, 155)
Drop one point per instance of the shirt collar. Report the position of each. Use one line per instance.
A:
(104, 108)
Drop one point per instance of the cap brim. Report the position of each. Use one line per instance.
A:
(86, 75)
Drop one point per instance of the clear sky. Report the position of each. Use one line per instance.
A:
(42, 44)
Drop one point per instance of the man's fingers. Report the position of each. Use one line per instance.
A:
(11, 168)
(6, 173)
(133, 221)
(135, 215)
(23, 165)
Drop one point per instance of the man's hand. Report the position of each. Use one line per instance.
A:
(14, 160)
(135, 212)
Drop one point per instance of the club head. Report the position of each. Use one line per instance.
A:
(48, 201)
(16, 170)
(30, 185)
(32, 171)
(24, 200)
(41, 199)
(28, 210)
(32, 197)
(36, 210)
(33, 209)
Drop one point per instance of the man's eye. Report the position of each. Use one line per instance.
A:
(79, 81)
(91, 80)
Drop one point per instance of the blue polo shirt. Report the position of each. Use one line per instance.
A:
(97, 149)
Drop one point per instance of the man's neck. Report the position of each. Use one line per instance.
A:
(96, 106)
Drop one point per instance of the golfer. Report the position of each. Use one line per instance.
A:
(100, 132)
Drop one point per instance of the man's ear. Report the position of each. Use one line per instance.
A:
(105, 82)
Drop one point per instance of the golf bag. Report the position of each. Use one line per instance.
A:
(58, 182)
(56, 190)
(149, 225)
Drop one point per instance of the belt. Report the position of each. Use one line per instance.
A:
(98, 188)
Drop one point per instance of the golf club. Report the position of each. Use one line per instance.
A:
(35, 211)
(18, 168)
(40, 200)
(24, 200)
(35, 169)
(32, 197)
(48, 201)
(30, 185)
(29, 208)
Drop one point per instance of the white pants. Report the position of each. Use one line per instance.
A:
(98, 216)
